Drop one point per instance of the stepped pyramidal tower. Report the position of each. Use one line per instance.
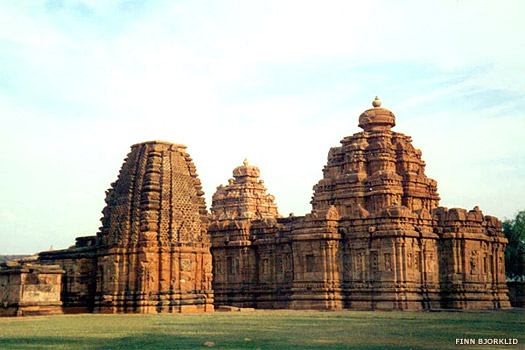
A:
(374, 169)
(239, 210)
(152, 253)
(244, 197)
(376, 237)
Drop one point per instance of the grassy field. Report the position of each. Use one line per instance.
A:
(264, 330)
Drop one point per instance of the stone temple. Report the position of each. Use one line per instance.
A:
(376, 238)
(152, 253)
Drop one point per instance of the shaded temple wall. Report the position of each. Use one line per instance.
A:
(79, 263)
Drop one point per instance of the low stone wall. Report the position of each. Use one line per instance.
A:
(30, 289)
(516, 293)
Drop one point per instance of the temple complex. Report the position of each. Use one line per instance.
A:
(376, 238)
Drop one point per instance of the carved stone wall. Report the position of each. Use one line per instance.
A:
(375, 239)
(472, 259)
(79, 263)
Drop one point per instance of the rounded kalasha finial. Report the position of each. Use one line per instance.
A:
(377, 102)
(245, 163)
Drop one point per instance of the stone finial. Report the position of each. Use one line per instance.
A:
(377, 118)
(245, 170)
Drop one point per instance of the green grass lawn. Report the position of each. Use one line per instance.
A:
(264, 330)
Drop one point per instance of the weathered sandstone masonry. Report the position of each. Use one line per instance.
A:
(152, 253)
(375, 238)
(29, 289)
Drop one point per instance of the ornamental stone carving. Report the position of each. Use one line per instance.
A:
(376, 237)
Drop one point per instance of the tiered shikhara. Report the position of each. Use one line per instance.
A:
(375, 238)
(152, 253)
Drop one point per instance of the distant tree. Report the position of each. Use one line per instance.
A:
(514, 230)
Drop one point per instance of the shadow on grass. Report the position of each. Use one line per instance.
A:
(144, 341)
(149, 341)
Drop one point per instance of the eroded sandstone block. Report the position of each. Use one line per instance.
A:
(30, 289)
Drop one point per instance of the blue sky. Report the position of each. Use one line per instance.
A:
(277, 81)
